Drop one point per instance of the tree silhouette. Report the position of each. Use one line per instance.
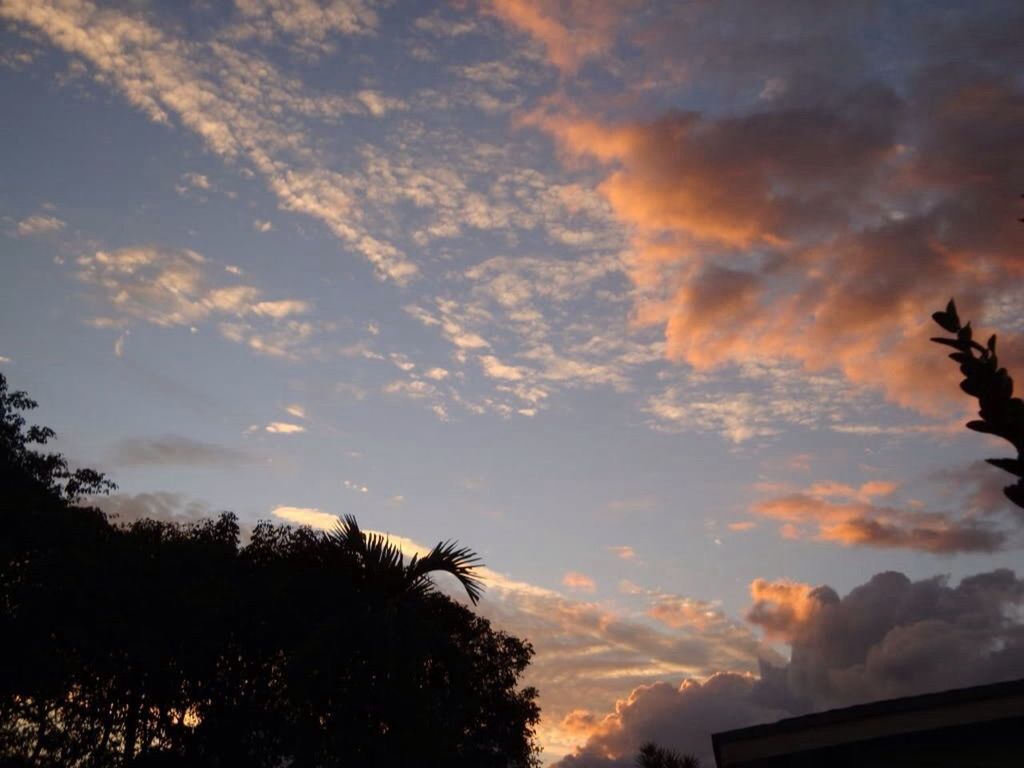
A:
(1001, 414)
(157, 644)
(653, 756)
(384, 562)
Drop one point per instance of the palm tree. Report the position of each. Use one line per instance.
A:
(653, 756)
(384, 564)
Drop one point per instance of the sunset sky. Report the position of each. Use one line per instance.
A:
(633, 298)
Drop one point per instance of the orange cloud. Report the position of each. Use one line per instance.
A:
(780, 607)
(808, 231)
(623, 552)
(742, 525)
(578, 581)
(572, 31)
(859, 522)
(678, 612)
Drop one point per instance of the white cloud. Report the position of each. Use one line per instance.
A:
(230, 97)
(39, 225)
(284, 428)
(177, 287)
(261, 225)
(310, 516)
(437, 374)
(296, 410)
(496, 369)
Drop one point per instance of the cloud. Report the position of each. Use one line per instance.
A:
(742, 525)
(623, 552)
(839, 513)
(177, 287)
(353, 486)
(571, 32)
(123, 508)
(262, 225)
(307, 25)
(38, 225)
(892, 636)
(887, 638)
(296, 410)
(758, 400)
(679, 716)
(824, 225)
(310, 516)
(678, 612)
(284, 428)
(232, 97)
(175, 450)
(578, 582)
(496, 369)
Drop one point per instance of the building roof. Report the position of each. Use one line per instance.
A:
(880, 719)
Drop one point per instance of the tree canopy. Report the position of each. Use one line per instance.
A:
(153, 643)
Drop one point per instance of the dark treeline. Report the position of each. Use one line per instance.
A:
(156, 644)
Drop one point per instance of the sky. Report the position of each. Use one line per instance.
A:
(633, 298)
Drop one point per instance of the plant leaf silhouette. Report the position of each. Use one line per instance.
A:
(384, 562)
(1001, 413)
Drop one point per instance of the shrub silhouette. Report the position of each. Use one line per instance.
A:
(1001, 414)
(653, 756)
(158, 644)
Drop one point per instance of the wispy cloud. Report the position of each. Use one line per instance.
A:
(578, 582)
(177, 287)
(176, 450)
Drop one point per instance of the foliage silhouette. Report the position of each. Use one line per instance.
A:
(384, 560)
(158, 644)
(653, 756)
(1001, 413)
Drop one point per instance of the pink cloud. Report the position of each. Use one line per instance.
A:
(579, 582)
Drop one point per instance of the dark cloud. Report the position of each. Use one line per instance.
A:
(889, 637)
(176, 450)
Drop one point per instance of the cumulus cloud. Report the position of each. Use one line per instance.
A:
(676, 716)
(822, 225)
(175, 450)
(889, 637)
